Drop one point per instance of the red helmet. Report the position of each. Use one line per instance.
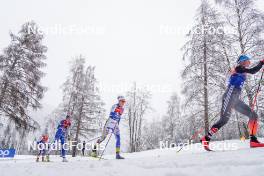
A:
(45, 138)
(67, 123)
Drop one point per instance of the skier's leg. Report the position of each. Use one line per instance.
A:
(56, 140)
(117, 136)
(43, 155)
(251, 114)
(252, 123)
(63, 151)
(230, 99)
(118, 142)
(104, 134)
(100, 140)
(37, 160)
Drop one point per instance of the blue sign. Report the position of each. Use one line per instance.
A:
(7, 153)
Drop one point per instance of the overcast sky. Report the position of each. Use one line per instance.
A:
(127, 41)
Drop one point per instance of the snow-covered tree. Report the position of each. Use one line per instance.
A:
(20, 78)
(137, 106)
(82, 100)
(203, 76)
(153, 133)
(245, 24)
(171, 121)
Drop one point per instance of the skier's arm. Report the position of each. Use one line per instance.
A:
(252, 70)
(113, 112)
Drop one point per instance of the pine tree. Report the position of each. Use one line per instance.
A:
(20, 77)
(21, 65)
(82, 100)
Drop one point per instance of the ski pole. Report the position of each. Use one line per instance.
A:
(196, 134)
(107, 142)
(257, 92)
(192, 138)
(255, 97)
(93, 139)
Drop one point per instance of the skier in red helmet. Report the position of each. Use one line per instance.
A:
(43, 150)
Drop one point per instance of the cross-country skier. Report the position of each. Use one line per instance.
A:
(43, 151)
(112, 126)
(61, 134)
(231, 100)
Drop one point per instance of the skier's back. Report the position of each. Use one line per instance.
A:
(61, 134)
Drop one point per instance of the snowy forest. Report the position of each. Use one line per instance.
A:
(222, 30)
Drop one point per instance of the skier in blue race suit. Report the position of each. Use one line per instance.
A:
(43, 150)
(61, 134)
(112, 126)
(231, 100)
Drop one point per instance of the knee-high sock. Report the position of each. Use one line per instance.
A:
(212, 131)
(253, 127)
(118, 143)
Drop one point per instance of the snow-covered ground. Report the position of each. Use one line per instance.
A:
(165, 162)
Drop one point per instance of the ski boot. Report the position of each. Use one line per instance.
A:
(47, 158)
(205, 142)
(37, 160)
(118, 156)
(94, 151)
(42, 159)
(254, 143)
(94, 154)
(64, 160)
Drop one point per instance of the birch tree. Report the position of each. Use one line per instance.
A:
(137, 105)
(171, 121)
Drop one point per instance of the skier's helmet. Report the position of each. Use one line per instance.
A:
(45, 138)
(121, 98)
(242, 58)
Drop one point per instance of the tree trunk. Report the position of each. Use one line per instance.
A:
(74, 150)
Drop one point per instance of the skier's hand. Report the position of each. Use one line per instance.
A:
(262, 61)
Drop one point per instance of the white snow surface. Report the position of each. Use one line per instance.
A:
(242, 161)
